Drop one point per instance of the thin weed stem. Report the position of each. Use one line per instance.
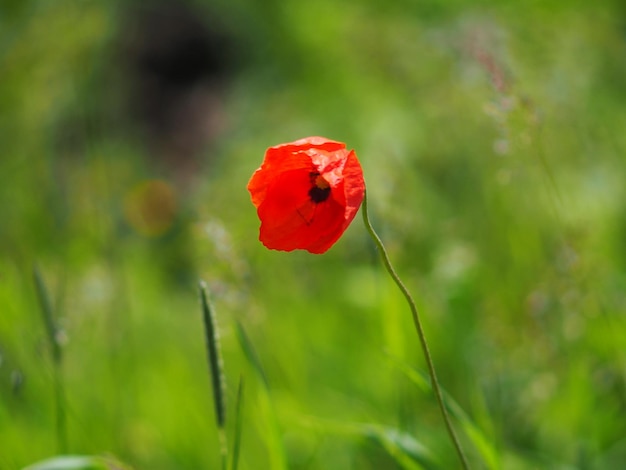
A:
(420, 333)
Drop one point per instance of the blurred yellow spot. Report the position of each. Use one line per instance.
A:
(150, 207)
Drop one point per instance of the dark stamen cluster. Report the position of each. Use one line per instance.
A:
(316, 193)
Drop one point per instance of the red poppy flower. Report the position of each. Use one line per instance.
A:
(306, 193)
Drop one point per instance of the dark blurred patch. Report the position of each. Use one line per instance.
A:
(178, 61)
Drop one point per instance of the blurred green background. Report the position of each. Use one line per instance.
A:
(493, 141)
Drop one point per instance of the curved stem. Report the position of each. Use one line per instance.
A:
(420, 332)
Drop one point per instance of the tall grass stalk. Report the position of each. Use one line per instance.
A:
(52, 333)
(420, 333)
(216, 371)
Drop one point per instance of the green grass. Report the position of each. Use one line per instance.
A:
(492, 141)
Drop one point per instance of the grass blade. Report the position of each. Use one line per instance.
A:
(238, 426)
(251, 355)
(273, 435)
(408, 452)
(481, 442)
(47, 315)
(216, 372)
(78, 462)
(57, 358)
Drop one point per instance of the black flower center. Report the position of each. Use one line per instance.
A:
(320, 189)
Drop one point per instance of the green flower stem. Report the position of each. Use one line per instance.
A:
(420, 332)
